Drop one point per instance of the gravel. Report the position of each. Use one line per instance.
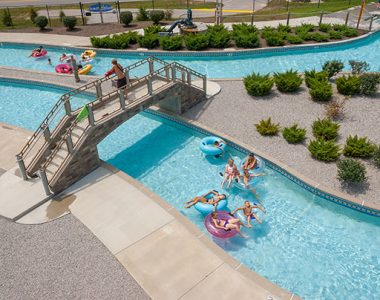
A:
(234, 112)
(60, 260)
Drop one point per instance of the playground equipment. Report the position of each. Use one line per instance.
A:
(185, 26)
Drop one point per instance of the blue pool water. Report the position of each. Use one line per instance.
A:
(314, 248)
(26, 105)
(215, 67)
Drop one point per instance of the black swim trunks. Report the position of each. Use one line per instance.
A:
(121, 82)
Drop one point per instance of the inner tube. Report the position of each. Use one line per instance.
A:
(217, 232)
(100, 8)
(88, 53)
(39, 54)
(64, 69)
(206, 208)
(259, 165)
(208, 148)
(85, 70)
(86, 61)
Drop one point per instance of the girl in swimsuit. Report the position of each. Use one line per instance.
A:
(227, 224)
(250, 162)
(214, 200)
(230, 173)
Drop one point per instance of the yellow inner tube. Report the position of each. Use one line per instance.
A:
(85, 70)
(89, 53)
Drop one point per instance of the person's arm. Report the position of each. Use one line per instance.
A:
(216, 224)
(110, 71)
(237, 209)
(259, 207)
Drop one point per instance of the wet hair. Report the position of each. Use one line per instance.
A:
(251, 154)
(230, 160)
(114, 61)
(246, 201)
(224, 196)
(214, 214)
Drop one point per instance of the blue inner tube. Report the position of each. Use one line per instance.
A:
(208, 148)
(206, 208)
(259, 165)
(100, 8)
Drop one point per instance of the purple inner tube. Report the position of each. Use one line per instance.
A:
(218, 232)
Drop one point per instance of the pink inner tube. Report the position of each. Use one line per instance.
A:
(39, 54)
(64, 68)
(218, 232)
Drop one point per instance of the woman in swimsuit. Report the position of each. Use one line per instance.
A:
(214, 200)
(121, 79)
(227, 224)
(250, 162)
(248, 212)
(230, 173)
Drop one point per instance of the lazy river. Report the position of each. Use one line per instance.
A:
(235, 66)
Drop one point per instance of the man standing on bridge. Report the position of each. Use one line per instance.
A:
(121, 79)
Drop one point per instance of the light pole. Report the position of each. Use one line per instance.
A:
(153, 4)
(253, 11)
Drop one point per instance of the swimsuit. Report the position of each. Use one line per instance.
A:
(121, 81)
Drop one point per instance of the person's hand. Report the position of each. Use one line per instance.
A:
(231, 214)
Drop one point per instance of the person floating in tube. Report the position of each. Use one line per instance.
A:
(121, 79)
(248, 212)
(37, 50)
(227, 224)
(213, 200)
(230, 173)
(218, 144)
(250, 162)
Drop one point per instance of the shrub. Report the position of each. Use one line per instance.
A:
(284, 28)
(294, 39)
(294, 134)
(325, 129)
(358, 147)
(318, 37)
(133, 37)
(358, 67)
(7, 18)
(304, 28)
(142, 14)
(243, 28)
(61, 15)
(153, 29)
(324, 150)
(335, 109)
(247, 40)
(376, 156)
(41, 21)
(368, 83)
(275, 39)
(348, 85)
(172, 43)
(219, 37)
(117, 41)
(266, 31)
(197, 42)
(69, 22)
(325, 27)
(340, 27)
(126, 17)
(258, 85)
(332, 67)
(266, 127)
(156, 16)
(351, 171)
(320, 91)
(312, 77)
(149, 41)
(288, 82)
(32, 14)
(350, 32)
(335, 35)
(168, 14)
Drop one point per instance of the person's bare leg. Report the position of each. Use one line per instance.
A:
(224, 181)
(229, 182)
(249, 221)
(233, 226)
(192, 202)
(257, 218)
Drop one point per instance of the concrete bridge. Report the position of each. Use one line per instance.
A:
(64, 148)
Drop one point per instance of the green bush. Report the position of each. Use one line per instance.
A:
(369, 83)
(304, 28)
(376, 156)
(324, 150)
(319, 37)
(247, 40)
(61, 15)
(243, 28)
(294, 39)
(157, 16)
(325, 129)
(69, 22)
(335, 35)
(153, 29)
(348, 85)
(294, 134)
(350, 32)
(196, 42)
(258, 85)
(172, 43)
(266, 127)
(168, 14)
(219, 37)
(351, 171)
(358, 67)
(332, 67)
(325, 27)
(284, 28)
(41, 22)
(314, 77)
(266, 31)
(126, 17)
(358, 147)
(117, 41)
(288, 82)
(275, 39)
(340, 27)
(7, 18)
(320, 91)
(33, 14)
(149, 41)
(143, 14)
(133, 37)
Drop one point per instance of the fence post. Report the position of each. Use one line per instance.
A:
(100, 12)
(98, 87)
(287, 5)
(370, 24)
(90, 116)
(21, 166)
(10, 17)
(252, 18)
(319, 3)
(122, 99)
(167, 75)
(118, 10)
(47, 134)
(183, 76)
(347, 16)
(67, 105)
(81, 12)
(288, 18)
(45, 182)
(321, 18)
(48, 15)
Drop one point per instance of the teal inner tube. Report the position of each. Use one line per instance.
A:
(208, 148)
(206, 208)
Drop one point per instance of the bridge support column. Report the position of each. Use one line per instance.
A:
(99, 92)
(45, 182)
(21, 166)
(151, 66)
(67, 105)
(205, 84)
(188, 75)
(167, 75)
(150, 87)
(173, 73)
(126, 73)
(90, 116)
(183, 76)
(47, 134)
(69, 143)
(122, 99)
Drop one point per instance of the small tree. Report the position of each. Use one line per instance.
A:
(61, 15)
(33, 15)
(351, 171)
(41, 21)
(156, 16)
(7, 18)
(70, 22)
(126, 17)
(143, 14)
(332, 67)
